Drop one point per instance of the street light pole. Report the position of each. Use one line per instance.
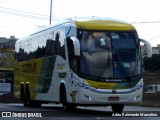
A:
(50, 13)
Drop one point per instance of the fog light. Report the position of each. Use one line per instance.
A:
(136, 98)
(87, 97)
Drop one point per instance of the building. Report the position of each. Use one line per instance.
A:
(8, 42)
(2, 41)
(155, 50)
(7, 46)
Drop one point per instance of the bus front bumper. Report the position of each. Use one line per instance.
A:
(90, 95)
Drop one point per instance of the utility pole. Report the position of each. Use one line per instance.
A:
(50, 13)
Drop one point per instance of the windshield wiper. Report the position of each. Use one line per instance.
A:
(92, 76)
(136, 77)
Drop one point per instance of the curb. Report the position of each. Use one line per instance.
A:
(150, 104)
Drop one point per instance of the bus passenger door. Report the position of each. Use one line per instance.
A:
(73, 88)
(73, 65)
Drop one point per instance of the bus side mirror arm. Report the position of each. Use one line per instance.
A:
(76, 45)
(148, 47)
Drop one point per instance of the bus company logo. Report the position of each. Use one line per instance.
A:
(60, 66)
(114, 91)
(32, 67)
(6, 114)
(21, 114)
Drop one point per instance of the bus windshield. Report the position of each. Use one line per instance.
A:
(109, 54)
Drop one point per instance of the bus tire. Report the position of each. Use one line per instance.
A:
(26, 101)
(22, 94)
(63, 100)
(34, 103)
(117, 108)
(71, 106)
(63, 96)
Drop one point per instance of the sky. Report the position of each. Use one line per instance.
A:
(21, 17)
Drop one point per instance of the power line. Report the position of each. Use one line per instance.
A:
(46, 17)
(25, 14)
(13, 10)
(155, 37)
(144, 22)
(13, 27)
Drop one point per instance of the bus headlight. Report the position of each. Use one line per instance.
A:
(136, 98)
(87, 97)
(138, 87)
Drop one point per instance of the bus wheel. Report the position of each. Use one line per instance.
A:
(63, 97)
(71, 106)
(117, 108)
(26, 101)
(31, 103)
(34, 103)
(63, 100)
(22, 94)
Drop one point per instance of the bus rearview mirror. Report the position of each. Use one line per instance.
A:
(148, 47)
(76, 45)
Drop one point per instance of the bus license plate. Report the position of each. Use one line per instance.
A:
(113, 99)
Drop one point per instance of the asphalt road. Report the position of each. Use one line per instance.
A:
(56, 112)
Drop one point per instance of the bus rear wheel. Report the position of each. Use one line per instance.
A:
(117, 108)
(28, 102)
(31, 103)
(26, 99)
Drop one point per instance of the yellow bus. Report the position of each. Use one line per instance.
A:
(80, 62)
